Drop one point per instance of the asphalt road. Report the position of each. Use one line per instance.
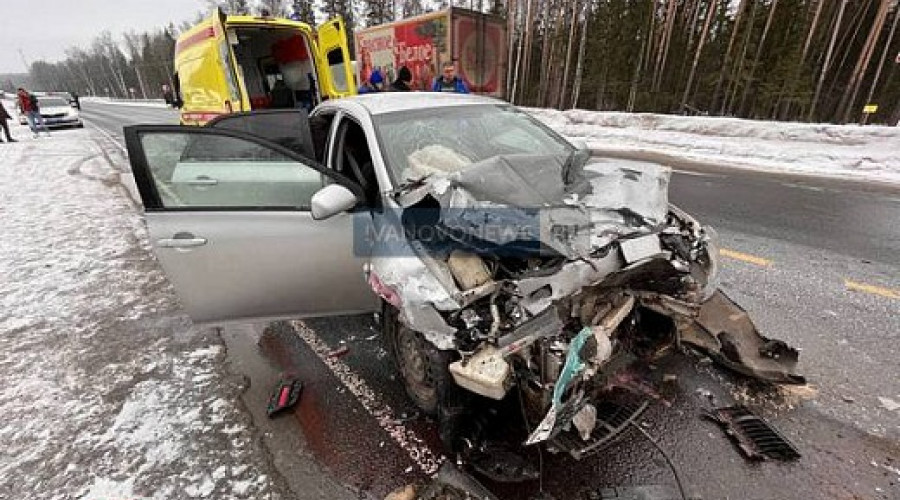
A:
(815, 262)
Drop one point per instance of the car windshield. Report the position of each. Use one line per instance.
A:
(442, 140)
(51, 101)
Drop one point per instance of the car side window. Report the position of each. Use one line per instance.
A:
(320, 130)
(353, 158)
(198, 171)
(337, 65)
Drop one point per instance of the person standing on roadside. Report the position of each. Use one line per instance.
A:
(375, 83)
(4, 116)
(449, 82)
(404, 79)
(28, 104)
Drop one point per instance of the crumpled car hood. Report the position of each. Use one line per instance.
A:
(523, 201)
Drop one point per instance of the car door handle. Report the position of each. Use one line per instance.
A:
(180, 242)
(202, 181)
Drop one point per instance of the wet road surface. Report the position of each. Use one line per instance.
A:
(814, 261)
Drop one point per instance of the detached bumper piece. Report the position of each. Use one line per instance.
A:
(725, 332)
(614, 415)
(285, 395)
(756, 439)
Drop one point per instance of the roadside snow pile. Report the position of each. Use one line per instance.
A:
(847, 151)
(106, 391)
(143, 103)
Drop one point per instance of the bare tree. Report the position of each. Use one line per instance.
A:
(276, 8)
(759, 50)
(734, 32)
(884, 53)
(663, 52)
(827, 62)
(710, 14)
(579, 68)
(571, 43)
(230, 6)
(410, 8)
(812, 30)
(734, 81)
(862, 63)
(526, 46)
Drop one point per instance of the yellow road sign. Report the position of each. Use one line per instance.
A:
(870, 108)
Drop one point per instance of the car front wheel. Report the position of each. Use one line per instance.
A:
(422, 366)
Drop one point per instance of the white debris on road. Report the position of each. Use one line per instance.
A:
(105, 391)
(888, 403)
(846, 151)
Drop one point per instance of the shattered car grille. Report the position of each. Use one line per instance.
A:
(614, 415)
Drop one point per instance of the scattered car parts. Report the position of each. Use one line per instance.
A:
(556, 275)
(451, 483)
(756, 439)
(285, 395)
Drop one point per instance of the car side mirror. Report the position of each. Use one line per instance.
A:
(332, 200)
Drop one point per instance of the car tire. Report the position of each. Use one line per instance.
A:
(424, 369)
(80, 125)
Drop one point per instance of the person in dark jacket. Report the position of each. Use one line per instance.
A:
(4, 116)
(282, 95)
(449, 82)
(403, 81)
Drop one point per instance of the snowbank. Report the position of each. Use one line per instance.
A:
(143, 103)
(846, 151)
(106, 391)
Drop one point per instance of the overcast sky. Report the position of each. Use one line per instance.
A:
(43, 29)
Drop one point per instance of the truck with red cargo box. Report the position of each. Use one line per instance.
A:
(476, 42)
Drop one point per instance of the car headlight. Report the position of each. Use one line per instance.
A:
(711, 240)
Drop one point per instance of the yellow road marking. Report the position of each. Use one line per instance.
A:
(745, 257)
(874, 290)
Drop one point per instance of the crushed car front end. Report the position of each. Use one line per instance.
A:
(552, 276)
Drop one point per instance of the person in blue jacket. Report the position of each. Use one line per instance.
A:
(449, 82)
(375, 83)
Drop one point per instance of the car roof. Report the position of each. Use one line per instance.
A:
(389, 102)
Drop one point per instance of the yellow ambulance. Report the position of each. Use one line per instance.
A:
(227, 64)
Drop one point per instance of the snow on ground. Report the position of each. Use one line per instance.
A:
(847, 151)
(105, 391)
(143, 103)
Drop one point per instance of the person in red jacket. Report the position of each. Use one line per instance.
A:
(28, 104)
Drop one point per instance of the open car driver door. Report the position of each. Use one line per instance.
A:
(231, 220)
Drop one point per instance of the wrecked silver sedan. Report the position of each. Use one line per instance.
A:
(503, 259)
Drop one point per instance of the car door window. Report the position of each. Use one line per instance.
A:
(353, 158)
(192, 170)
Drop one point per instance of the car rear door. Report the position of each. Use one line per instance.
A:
(229, 219)
(334, 59)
